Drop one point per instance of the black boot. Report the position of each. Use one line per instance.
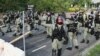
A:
(10, 30)
(30, 35)
(59, 52)
(83, 41)
(44, 32)
(48, 36)
(14, 34)
(97, 35)
(77, 47)
(87, 41)
(3, 34)
(54, 52)
(69, 48)
(7, 31)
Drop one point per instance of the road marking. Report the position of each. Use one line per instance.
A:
(39, 48)
(38, 41)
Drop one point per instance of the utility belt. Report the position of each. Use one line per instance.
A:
(59, 38)
(72, 30)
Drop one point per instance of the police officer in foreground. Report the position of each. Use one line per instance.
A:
(58, 37)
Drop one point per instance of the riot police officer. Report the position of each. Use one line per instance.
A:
(8, 21)
(72, 30)
(1, 29)
(49, 21)
(18, 25)
(58, 37)
(97, 23)
(88, 28)
(80, 21)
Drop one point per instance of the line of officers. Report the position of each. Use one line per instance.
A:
(13, 21)
(59, 28)
(62, 30)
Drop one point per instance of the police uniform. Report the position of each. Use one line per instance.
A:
(80, 21)
(18, 25)
(88, 29)
(58, 35)
(92, 18)
(36, 22)
(72, 29)
(30, 24)
(8, 21)
(49, 30)
(1, 29)
(97, 28)
(4, 19)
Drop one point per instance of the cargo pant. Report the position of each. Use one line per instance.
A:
(97, 31)
(49, 31)
(56, 47)
(17, 30)
(73, 41)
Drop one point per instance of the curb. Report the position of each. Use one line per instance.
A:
(86, 50)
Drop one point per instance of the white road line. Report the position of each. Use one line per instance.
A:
(39, 48)
(38, 41)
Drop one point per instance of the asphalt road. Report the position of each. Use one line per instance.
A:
(39, 45)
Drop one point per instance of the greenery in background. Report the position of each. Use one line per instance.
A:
(41, 5)
(6, 5)
(95, 51)
(57, 5)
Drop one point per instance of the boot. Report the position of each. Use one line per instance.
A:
(97, 35)
(48, 36)
(54, 52)
(59, 52)
(87, 41)
(15, 34)
(83, 41)
(3, 34)
(77, 47)
(69, 48)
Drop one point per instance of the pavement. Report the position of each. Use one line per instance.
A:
(39, 45)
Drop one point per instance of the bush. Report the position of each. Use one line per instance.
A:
(73, 9)
(95, 51)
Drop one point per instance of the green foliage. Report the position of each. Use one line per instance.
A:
(51, 5)
(95, 51)
(41, 5)
(57, 5)
(12, 4)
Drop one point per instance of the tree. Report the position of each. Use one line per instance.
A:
(51, 5)
(12, 4)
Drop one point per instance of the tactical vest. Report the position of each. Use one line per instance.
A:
(90, 17)
(80, 18)
(88, 24)
(58, 33)
(49, 21)
(72, 27)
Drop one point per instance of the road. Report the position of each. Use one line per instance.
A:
(39, 45)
